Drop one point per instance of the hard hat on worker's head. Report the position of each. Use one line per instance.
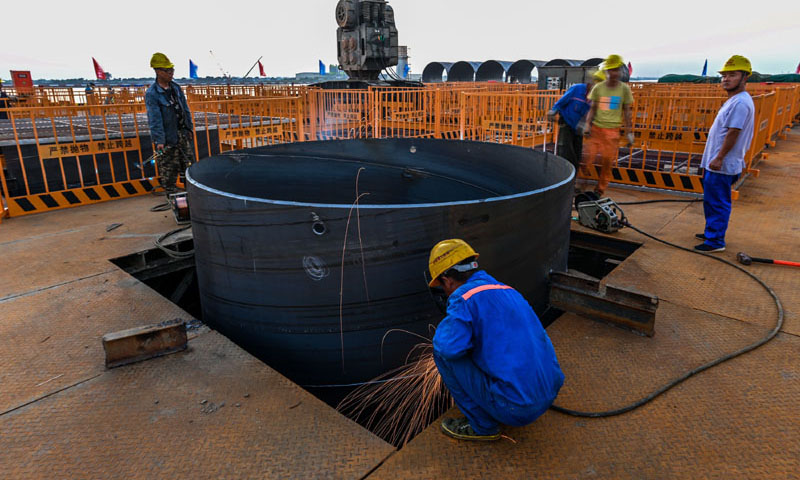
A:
(613, 61)
(159, 60)
(737, 63)
(447, 254)
(599, 76)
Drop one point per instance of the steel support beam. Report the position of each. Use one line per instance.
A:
(578, 293)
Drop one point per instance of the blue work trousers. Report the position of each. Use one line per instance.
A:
(469, 387)
(717, 206)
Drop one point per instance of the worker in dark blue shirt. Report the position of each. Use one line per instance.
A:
(572, 108)
(491, 350)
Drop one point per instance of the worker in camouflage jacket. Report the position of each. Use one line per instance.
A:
(170, 121)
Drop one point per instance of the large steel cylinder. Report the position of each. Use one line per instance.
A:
(313, 255)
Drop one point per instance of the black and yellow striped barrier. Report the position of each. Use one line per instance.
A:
(44, 202)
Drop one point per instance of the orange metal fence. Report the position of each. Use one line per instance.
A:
(671, 133)
(64, 155)
(516, 119)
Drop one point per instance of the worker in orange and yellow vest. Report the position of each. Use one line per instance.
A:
(572, 108)
(611, 104)
(491, 349)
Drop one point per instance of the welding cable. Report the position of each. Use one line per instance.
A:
(714, 363)
(393, 75)
(161, 207)
(159, 242)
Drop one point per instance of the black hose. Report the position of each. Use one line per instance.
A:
(169, 251)
(724, 358)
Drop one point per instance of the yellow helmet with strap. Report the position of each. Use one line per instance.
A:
(737, 63)
(445, 255)
(613, 61)
(159, 60)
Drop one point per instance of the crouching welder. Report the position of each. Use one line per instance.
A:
(170, 122)
(491, 349)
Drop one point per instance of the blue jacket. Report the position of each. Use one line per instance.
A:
(499, 330)
(573, 105)
(161, 116)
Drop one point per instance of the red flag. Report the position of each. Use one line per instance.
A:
(261, 69)
(798, 69)
(98, 70)
(630, 69)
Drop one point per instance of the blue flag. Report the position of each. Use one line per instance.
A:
(406, 70)
(192, 69)
(705, 68)
(321, 68)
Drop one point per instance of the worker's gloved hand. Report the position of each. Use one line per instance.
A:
(631, 139)
(551, 115)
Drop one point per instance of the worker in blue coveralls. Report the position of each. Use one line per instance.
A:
(723, 158)
(572, 108)
(491, 349)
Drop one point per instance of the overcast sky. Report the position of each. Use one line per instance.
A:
(56, 39)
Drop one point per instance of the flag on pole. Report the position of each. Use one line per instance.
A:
(705, 68)
(798, 69)
(406, 70)
(98, 70)
(261, 69)
(192, 69)
(321, 68)
(630, 69)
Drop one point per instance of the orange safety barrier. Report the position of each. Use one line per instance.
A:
(516, 119)
(66, 156)
(671, 133)
(339, 114)
(237, 124)
(63, 154)
(74, 96)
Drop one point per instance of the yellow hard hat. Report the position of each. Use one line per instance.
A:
(613, 61)
(446, 254)
(599, 76)
(159, 60)
(737, 63)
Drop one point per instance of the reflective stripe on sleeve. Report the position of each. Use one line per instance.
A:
(483, 288)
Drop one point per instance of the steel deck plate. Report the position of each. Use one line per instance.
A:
(62, 414)
(738, 420)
